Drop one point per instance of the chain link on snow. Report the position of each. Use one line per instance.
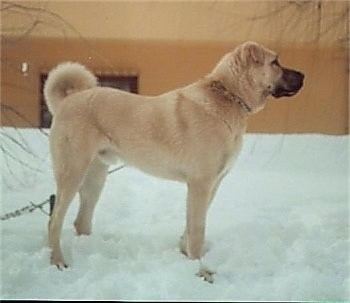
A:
(27, 209)
(30, 208)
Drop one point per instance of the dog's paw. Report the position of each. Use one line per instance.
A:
(206, 274)
(61, 266)
(82, 229)
(58, 261)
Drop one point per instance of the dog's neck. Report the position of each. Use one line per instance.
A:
(219, 88)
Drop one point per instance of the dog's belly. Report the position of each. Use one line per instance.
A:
(152, 163)
(179, 169)
(169, 173)
(159, 167)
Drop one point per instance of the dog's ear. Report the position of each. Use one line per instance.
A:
(253, 53)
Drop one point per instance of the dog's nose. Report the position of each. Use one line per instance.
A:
(301, 76)
(297, 80)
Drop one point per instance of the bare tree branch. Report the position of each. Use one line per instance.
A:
(44, 11)
(16, 142)
(10, 108)
(9, 169)
(15, 128)
(271, 13)
(5, 151)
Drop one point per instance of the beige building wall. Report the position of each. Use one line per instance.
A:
(222, 21)
(170, 44)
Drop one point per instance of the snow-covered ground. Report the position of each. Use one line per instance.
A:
(278, 229)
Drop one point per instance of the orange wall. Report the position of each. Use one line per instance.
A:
(321, 107)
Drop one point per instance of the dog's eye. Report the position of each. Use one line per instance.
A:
(275, 62)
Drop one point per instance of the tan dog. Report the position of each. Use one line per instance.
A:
(191, 134)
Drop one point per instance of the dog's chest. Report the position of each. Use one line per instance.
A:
(230, 154)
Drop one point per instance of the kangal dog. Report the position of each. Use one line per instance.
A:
(192, 134)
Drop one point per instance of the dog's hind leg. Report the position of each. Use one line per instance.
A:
(89, 192)
(69, 173)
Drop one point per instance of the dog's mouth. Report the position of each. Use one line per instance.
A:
(281, 92)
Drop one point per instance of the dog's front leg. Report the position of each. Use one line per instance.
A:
(198, 196)
(198, 199)
(212, 187)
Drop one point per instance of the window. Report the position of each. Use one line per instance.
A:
(126, 83)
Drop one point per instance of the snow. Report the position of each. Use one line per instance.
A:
(278, 229)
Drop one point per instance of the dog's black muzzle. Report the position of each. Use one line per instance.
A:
(289, 84)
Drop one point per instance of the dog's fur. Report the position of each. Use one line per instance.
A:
(192, 134)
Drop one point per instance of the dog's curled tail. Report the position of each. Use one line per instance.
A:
(65, 79)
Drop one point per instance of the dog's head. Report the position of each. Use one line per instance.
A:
(256, 72)
(268, 73)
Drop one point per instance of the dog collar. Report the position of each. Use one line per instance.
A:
(217, 86)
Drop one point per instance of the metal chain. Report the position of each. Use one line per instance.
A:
(30, 208)
(27, 209)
